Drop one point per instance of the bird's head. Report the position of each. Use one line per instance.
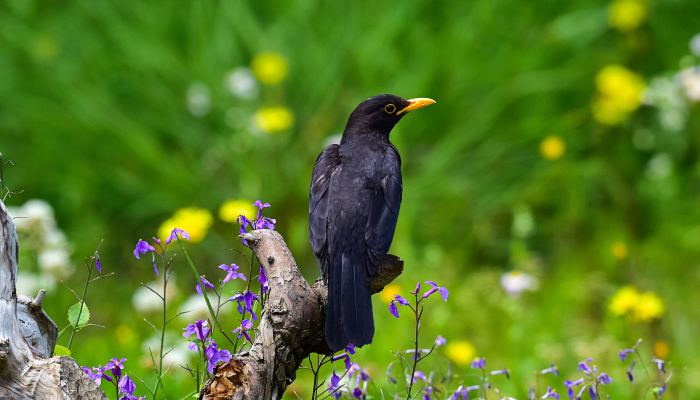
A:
(378, 115)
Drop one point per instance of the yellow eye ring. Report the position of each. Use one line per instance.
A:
(389, 108)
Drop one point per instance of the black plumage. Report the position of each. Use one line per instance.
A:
(354, 203)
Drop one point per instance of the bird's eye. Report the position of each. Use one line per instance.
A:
(389, 108)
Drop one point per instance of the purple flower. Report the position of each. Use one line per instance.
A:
(435, 288)
(479, 363)
(245, 302)
(440, 341)
(126, 385)
(399, 299)
(357, 393)
(204, 283)
(350, 348)
(604, 378)
(661, 391)
(142, 247)
(660, 365)
(503, 371)
(570, 385)
(231, 273)
(427, 392)
(583, 366)
(198, 328)
(262, 278)
(551, 370)
(463, 392)
(176, 234)
(95, 374)
(393, 309)
(624, 353)
(98, 263)
(115, 366)
(419, 375)
(417, 288)
(242, 330)
(214, 355)
(551, 394)
(245, 223)
(334, 386)
(260, 205)
(629, 371)
(265, 223)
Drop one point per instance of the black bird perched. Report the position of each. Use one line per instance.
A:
(354, 203)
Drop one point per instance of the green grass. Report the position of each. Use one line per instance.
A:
(94, 116)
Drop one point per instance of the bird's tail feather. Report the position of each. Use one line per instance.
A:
(349, 316)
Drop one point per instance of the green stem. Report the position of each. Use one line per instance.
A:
(80, 310)
(247, 288)
(411, 378)
(204, 292)
(162, 331)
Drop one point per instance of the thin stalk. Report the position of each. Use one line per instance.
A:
(162, 330)
(196, 273)
(82, 303)
(247, 288)
(418, 313)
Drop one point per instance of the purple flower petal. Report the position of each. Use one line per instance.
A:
(393, 309)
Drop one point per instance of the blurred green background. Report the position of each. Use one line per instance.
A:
(563, 149)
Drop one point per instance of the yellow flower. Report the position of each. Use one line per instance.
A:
(195, 221)
(387, 294)
(624, 300)
(552, 147)
(661, 349)
(273, 119)
(460, 352)
(231, 209)
(627, 15)
(270, 68)
(619, 94)
(649, 306)
(619, 250)
(640, 307)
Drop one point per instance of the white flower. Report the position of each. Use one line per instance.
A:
(695, 44)
(145, 301)
(29, 284)
(515, 282)
(34, 215)
(241, 82)
(689, 79)
(195, 308)
(198, 99)
(56, 262)
(177, 354)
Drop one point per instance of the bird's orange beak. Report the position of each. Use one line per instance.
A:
(414, 104)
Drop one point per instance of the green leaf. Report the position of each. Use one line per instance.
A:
(73, 312)
(61, 351)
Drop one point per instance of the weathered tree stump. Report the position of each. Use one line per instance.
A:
(291, 325)
(28, 337)
(291, 328)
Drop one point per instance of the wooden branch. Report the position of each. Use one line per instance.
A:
(28, 337)
(291, 325)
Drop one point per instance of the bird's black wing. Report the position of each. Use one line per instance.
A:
(384, 211)
(326, 163)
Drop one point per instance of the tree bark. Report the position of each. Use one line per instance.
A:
(291, 325)
(28, 337)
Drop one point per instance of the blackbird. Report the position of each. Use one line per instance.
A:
(354, 203)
